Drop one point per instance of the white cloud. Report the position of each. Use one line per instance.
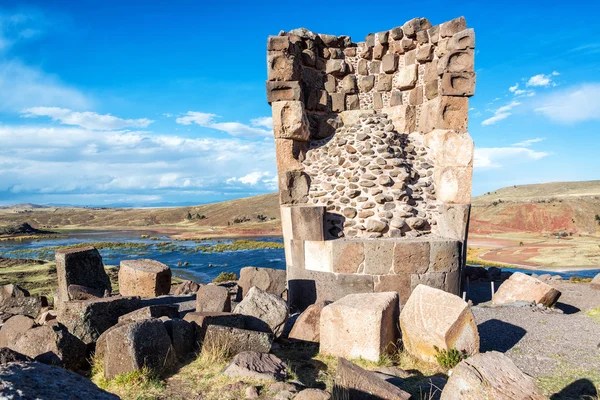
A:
(237, 129)
(266, 122)
(67, 164)
(23, 87)
(87, 119)
(513, 88)
(528, 142)
(495, 157)
(575, 104)
(501, 113)
(542, 80)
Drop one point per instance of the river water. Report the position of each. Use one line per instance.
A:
(201, 267)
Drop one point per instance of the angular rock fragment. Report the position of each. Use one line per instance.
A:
(522, 287)
(267, 312)
(255, 365)
(144, 278)
(433, 320)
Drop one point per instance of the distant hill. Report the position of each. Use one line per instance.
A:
(539, 208)
(259, 212)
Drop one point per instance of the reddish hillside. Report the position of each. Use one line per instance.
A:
(571, 207)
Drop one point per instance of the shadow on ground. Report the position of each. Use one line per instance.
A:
(499, 335)
(580, 389)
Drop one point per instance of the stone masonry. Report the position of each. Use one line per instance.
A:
(374, 158)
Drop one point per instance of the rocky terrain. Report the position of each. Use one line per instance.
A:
(239, 340)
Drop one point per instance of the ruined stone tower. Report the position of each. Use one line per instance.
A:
(374, 159)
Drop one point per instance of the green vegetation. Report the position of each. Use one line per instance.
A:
(239, 245)
(449, 358)
(594, 313)
(577, 279)
(597, 218)
(564, 375)
(225, 277)
(47, 253)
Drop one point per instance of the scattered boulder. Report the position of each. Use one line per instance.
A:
(184, 304)
(252, 392)
(134, 345)
(46, 316)
(183, 337)
(13, 328)
(255, 365)
(87, 319)
(237, 340)
(8, 356)
(313, 394)
(144, 278)
(595, 283)
(52, 345)
(155, 311)
(267, 312)
(522, 287)
(17, 301)
(356, 383)
(490, 375)
(32, 380)
(307, 325)
(202, 320)
(213, 298)
(80, 266)
(270, 280)
(360, 325)
(11, 290)
(186, 287)
(434, 318)
(80, 292)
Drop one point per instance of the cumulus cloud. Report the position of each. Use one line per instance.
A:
(67, 164)
(495, 157)
(501, 113)
(542, 80)
(571, 105)
(87, 119)
(207, 120)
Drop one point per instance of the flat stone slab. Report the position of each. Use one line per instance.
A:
(360, 325)
(522, 287)
(255, 365)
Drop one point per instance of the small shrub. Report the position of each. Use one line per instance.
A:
(449, 358)
(520, 243)
(225, 276)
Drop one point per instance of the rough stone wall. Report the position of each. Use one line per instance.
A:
(375, 132)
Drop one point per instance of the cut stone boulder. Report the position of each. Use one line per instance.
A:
(87, 319)
(313, 394)
(202, 320)
(356, 383)
(213, 298)
(144, 278)
(255, 365)
(155, 311)
(307, 325)
(360, 325)
(17, 301)
(80, 266)
(183, 337)
(13, 328)
(434, 318)
(265, 312)
(80, 292)
(32, 380)
(522, 287)
(135, 345)
(52, 345)
(268, 279)
(186, 287)
(490, 375)
(237, 340)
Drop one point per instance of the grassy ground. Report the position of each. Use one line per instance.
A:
(202, 378)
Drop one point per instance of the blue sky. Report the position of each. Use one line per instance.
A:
(152, 102)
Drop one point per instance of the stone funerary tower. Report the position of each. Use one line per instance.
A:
(374, 159)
